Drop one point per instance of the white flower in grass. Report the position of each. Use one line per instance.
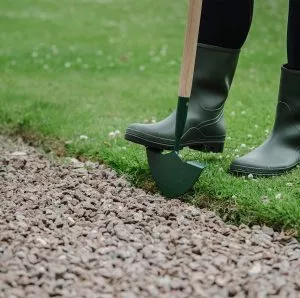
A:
(114, 134)
(234, 197)
(83, 137)
(265, 200)
(67, 64)
(267, 131)
(232, 113)
(117, 133)
(289, 184)
(255, 126)
(243, 112)
(111, 135)
(249, 136)
(250, 176)
(243, 146)
(153, 121)
(278, 196)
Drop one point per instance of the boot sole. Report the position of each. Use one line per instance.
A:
(203, 146)
(258, 172)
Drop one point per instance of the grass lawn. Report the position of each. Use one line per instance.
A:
(75, 68)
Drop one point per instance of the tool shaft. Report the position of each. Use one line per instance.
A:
(187, 67)
(190, 48)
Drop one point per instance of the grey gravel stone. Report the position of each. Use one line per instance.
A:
(71, 231)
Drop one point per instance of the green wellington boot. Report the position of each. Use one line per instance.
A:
(281, 151)
(205, 128)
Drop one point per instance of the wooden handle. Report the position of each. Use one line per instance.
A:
(190, 48)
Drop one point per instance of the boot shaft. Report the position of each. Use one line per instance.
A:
(289, 90)
(213, 74)
(288, 107)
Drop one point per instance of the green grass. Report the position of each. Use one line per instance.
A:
(90, 67)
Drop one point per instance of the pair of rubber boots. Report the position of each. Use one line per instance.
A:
(205, 127)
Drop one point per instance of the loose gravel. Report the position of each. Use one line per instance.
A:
(79, 230)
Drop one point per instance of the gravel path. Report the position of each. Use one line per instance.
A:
(75, 232)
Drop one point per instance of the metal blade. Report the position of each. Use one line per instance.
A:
(172, 175)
